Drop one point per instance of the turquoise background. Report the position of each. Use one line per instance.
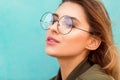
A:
(22, 41)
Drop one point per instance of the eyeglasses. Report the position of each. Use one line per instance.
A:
(64, 26)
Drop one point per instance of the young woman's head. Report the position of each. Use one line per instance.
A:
(82, 28)
(72, 32)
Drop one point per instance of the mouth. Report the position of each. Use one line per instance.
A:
(51, 41)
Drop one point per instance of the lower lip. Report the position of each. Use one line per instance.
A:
(51, 42)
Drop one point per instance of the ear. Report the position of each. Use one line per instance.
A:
(93, 43)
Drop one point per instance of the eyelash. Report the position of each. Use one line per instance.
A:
(73, 26)
(54, 21)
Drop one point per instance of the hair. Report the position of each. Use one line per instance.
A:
(106, 55)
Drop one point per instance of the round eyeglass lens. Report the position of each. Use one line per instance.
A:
(65, 25)
(46, 20)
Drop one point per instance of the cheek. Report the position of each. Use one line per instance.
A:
(75, 44)
(70, 46)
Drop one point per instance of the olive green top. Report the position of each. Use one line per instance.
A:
(85, 71)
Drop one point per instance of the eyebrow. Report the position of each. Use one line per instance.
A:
(56, 14)
(67, 15)
(76, 20)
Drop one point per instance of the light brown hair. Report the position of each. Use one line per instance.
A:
(100, 26)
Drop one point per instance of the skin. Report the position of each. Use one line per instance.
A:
(75, 46)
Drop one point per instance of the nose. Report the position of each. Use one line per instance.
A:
(54, 27)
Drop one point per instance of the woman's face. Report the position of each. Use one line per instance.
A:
(74, 43)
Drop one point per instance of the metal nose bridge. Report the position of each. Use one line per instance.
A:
(57, 22)
(53, 26)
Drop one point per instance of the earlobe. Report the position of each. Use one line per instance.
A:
(93, 43)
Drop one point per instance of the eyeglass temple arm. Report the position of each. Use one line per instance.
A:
(83, 30)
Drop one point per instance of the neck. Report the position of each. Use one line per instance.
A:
(68, 65)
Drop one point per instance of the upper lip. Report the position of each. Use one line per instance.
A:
(51, 38)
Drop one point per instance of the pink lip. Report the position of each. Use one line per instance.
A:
(51, 41)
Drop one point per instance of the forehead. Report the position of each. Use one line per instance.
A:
(71, 9)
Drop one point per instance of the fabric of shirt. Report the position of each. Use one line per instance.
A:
(85, 71)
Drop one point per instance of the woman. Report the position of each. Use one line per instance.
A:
(79, 35)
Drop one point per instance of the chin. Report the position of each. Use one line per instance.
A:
(51, 52)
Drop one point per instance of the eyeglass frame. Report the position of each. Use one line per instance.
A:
(59, 24)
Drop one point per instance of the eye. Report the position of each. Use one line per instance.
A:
(53, 21)
(55, 18)
(73, 26)
(68, 21)
(75, 23)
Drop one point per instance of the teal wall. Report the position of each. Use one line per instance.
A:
(22, 41)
